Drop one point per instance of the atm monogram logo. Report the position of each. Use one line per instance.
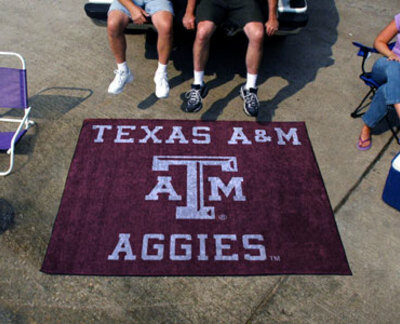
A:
(195, 207)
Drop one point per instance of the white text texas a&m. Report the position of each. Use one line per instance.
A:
(132, 134)
(181, 247)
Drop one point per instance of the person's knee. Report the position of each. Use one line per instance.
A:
(164, 28)
(255, 33)
(395, 67)
(383, 65)
(115, 26)
(204, 32)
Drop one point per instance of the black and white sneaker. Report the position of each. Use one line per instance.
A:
(194, 98)
(251, 103)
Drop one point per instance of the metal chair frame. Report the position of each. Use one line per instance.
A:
(24, 122)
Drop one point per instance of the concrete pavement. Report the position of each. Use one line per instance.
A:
(312, 76)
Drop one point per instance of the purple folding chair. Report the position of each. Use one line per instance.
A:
(13, 94)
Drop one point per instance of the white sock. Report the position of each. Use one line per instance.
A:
(251, 81)
(123, 67)
(162, 68)
(198, 77)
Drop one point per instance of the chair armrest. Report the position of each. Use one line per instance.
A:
(17, 55)
(364, 50)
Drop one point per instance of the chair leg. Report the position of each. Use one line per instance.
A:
(356, 113)
(29, 123)
(11, 152)
(392, 128)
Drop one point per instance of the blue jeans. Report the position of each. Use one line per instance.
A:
(387, 74)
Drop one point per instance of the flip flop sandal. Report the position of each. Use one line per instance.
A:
(361, 142)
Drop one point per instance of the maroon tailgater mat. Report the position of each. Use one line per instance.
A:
(171, 197)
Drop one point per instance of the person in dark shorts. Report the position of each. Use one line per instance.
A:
(247, 14)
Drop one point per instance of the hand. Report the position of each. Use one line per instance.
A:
(271, 26)
(189, 21)
(139, 16)
(393, 57)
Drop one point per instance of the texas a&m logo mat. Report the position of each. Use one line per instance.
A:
(154, 197)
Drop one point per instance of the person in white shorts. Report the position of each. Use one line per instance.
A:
(119, 15)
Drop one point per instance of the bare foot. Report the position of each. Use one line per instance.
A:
(364, 141)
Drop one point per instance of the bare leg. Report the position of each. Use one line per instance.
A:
(397, 107)
(162, 20)
(255, 33)
(201, 46)
(116, 24)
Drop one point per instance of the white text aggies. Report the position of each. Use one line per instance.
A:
(155, 247)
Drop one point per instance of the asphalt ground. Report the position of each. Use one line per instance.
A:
(310, 77)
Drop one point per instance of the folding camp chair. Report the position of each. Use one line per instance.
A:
(365, 52)
(13, 94)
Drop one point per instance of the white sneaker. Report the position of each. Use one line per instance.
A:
(120, 80)
(162, 86)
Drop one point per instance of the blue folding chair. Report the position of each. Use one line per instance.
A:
(365, 52)
(13, 95)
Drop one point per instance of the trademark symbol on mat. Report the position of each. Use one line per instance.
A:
(275, 258)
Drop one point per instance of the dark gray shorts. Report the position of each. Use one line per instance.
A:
(238, 12)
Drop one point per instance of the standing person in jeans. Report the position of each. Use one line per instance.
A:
(247, 14)
(386, 71)
(119, 14)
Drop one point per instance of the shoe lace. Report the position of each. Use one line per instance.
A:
(161, 79)
(164, 80)
(119, 76)
(193, 96)
(251, 100)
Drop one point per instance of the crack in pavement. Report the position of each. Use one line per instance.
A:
(265, 300)
(362, 177)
